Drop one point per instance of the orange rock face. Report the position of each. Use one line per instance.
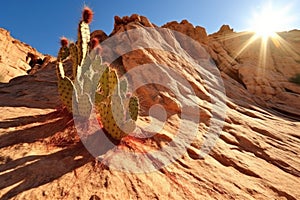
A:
(13, 56)
(197, 33)
(263, 67)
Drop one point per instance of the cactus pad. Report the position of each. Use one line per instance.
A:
(129, 126)
(84, 105)
(74, 56)
(109, 124)
(103, 83)
(63, 53)
(113, 83)
(117, 109)
(133, 107)
(83, 41)
(65, 87)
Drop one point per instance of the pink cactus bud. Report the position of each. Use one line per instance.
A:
(87, 15)
(64, 42)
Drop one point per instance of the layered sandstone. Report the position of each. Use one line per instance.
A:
(256, 154)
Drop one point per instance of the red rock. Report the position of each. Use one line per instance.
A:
(197, 33)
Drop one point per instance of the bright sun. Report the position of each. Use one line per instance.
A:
(266, 23)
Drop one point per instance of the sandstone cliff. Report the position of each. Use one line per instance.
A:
(256, 155)
(13, 56)
(263, 68)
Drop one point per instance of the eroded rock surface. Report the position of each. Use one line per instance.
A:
(13, 55)
(256, 155)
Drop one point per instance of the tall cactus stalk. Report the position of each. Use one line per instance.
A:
(92, 81)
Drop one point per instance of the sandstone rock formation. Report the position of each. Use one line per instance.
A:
(100, 35)
(264, 68)
(13, 56)
(197, 33)
(256, 155)
(133, 19)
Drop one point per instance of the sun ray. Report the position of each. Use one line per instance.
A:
(270, 19)
(263, 53)
(264, 28)
(281, 43)
(232, 36)
(246, 45)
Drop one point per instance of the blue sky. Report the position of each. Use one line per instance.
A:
(41, 23)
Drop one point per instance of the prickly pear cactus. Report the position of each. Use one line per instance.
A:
(74, 57)
(84, 34)
(103, 82)
(134, 107)
(112, 116)
(65, 87)
(94, 82)
(110, 106)
(84, 105)
(108, 121)
(77, 52)
(83, 41)
(64, 49)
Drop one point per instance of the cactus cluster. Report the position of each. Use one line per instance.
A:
(91, 81)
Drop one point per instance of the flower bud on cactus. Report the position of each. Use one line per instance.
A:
(64, 49)
(87, 15)
(64, 42)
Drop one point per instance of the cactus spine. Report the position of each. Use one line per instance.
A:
(92, 81)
